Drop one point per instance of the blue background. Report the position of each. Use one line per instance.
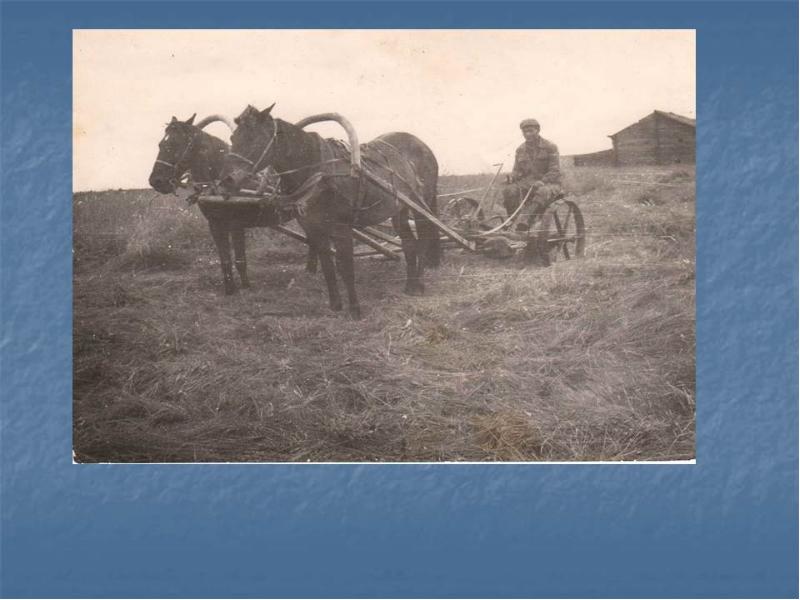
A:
(723, 528)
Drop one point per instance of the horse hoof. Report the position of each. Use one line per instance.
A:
(415, 290)
(336, 306)
(230, 290)
(355, 313)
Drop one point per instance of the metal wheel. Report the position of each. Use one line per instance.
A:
(559, 234)
(491, 222)
(461, 208)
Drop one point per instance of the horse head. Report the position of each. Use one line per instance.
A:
(252, 146)
(174, 154)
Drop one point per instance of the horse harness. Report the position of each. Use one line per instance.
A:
(289, 205)
(175, 171)
(292, 204)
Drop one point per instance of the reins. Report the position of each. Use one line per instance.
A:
(314, 179)
(304, 167)
(254, 165)
(309, 184)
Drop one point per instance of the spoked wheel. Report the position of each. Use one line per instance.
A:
(559, 234)
(491, 222)
(459, 209)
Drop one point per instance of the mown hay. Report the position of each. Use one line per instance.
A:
(586, 360)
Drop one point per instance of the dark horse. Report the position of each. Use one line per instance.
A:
(339, 203)
(186, 148)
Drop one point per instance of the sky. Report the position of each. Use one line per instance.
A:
(463, 92)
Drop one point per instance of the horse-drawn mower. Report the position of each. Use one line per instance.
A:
(275, 173)
(542, 234)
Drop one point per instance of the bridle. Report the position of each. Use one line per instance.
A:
(175, 167)
(254, 164)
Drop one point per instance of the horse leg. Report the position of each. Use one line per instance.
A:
(409, 244)
(240, 259)
(342, 236)
(427, 246)
(312, 256)
(433, 252)
(219, 231)
(311, 260)
(321, 246)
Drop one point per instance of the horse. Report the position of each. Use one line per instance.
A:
(186, 148)
(337, 202)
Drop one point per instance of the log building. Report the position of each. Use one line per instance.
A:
(660, 138)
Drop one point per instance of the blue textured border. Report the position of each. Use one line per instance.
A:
(726, 527)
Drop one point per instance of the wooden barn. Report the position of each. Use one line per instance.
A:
(661, 138)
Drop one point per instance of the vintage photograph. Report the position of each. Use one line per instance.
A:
(383, 246)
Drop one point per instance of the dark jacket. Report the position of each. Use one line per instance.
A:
(537, 163)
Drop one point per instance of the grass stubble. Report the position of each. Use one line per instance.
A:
(585, 360)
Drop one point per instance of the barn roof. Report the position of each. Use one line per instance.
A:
(678, 118)
(663, 113)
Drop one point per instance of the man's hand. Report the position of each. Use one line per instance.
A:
(531, 183)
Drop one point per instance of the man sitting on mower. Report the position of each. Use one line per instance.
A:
(535, 165)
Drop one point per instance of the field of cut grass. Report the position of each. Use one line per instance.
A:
(585, 360)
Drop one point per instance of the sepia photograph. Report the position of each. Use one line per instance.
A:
(399, 299)
(384, 246)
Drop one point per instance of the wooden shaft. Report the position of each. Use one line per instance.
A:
(365, 239)
(383, 236)
(292, 234)
(369, 253)
(421, 210)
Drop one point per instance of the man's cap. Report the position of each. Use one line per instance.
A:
(529, 123)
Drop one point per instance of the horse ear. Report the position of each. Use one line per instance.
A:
(173, 119)
(191, 119)
(266, 111)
